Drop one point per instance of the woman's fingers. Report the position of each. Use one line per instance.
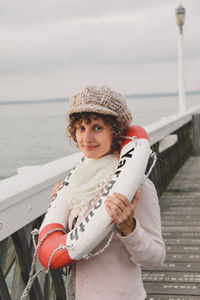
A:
(111, 213)
(136, 199)
(119, 207)
(121, 211)
(120, 204)
(56, 188)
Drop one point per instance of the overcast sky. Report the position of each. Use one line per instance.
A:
(54, 48)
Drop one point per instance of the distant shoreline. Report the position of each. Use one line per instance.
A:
(128, 96)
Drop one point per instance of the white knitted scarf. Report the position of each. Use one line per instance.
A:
(87, 181)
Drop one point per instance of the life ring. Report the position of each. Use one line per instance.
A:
(97, 224)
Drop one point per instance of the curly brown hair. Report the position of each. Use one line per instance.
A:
(117, 128)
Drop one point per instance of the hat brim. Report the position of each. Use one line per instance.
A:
(92, 108)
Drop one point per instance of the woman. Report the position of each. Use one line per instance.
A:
(98, 121)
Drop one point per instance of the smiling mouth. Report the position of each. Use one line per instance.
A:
(90, 147)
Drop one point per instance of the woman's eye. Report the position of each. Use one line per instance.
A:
(97, 128)
(81, 128)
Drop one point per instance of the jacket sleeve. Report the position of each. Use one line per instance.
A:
(145, 244)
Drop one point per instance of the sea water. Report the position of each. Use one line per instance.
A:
(35, 133)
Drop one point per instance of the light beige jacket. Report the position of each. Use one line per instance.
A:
(115, 274)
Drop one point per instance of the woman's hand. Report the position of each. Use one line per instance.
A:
(56, 188)
(122, 211)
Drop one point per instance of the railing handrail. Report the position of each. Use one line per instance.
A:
(15, 186)
(160, 129)
(25, 197)
(20, 202)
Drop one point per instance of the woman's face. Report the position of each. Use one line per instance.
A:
(94, 139)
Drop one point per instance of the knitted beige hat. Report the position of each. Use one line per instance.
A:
(101, 100)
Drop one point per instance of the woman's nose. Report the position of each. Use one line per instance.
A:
(87, 136)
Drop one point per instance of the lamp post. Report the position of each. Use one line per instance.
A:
(180, 17)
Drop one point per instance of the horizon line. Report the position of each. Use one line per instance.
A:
(128, 96)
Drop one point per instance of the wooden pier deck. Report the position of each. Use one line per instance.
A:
(179, 277)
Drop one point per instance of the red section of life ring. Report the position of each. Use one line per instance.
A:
(137, 131)
(52, 242)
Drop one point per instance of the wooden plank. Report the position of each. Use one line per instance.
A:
(182, 249)
(174, 202)
(173, 288)
(172, 194)
(180, 222)
(179, 213)
(7, 255)
(59, 285)
(47, 287)
(183, 257)
(182, 241)
(18, 284)
(182, 218)
(180, 195)
(24, 256)
(170, 297)
(181, 185)
(4, 293)
(3, 247)
(184, 185)
(182, 209)
(178, 229)
(184, 277)
(181, 234)
(179, 266)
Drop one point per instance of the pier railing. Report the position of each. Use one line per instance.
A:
(173, 141)
(24, 199)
